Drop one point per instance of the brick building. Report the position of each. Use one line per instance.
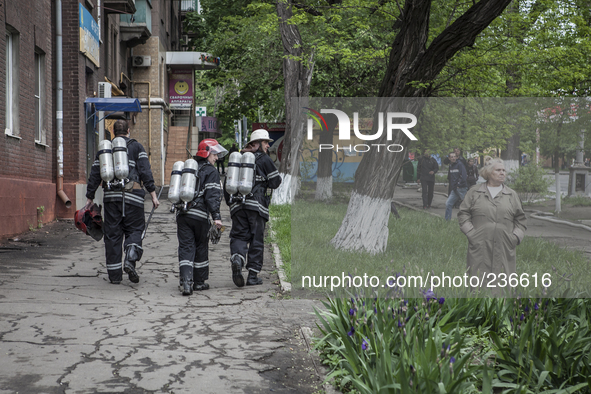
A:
(48, 147)
(27, 146)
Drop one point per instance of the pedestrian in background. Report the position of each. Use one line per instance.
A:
(447, 161)
(471, 173)
(193, 224)
(492, 218)
(220, 162)
(116, 227)
(426, 170)
(458, 184)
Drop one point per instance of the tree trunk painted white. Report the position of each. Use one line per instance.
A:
(558, 208)
(365, 226)
(411, 60)
(324, 188)
(286, 192)
(298, 76)
(511, 165)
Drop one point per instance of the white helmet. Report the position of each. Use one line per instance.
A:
(260, 134)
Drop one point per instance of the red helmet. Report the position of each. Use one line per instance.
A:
(89, 221)
(210, 145)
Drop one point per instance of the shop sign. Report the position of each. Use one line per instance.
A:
(180, 89)
(209, 124)
(89, 36)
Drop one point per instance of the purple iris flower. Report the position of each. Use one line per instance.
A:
(452, 360)
(536, 307)
(350, 333)
(429, 295)
(441, 300)
(351, 312)
(364, 344)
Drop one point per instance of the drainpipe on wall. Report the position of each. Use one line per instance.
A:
(60, 105)
(162, 153)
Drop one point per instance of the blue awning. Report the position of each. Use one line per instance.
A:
(115, 104)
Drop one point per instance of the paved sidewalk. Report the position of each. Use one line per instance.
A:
(66, 329)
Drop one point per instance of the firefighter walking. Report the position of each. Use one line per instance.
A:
(124, 172)
(249, 209)
(195, 204)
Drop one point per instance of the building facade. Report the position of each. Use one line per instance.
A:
(59, 55)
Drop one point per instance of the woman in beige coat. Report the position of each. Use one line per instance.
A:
(494, 222)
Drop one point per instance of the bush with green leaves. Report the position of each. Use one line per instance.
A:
(530, 181)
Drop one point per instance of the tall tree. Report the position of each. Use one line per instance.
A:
(412, 67)
(297, 74)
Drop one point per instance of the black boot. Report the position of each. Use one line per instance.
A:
(133, 253)
(186, 282)
(198, 286)
(130, 271)
(186, 285)
(237, 277)
(252, 279)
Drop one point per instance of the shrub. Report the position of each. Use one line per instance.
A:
(530, 181)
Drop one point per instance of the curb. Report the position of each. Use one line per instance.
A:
(306, 335)
(542, 216)
(414, 208)
(285, 285)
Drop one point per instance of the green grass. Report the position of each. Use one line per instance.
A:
(417, 244)
(577, 201)
(281, 226)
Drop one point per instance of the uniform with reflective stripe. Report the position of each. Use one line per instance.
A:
(249, 217)
(120, 230)
(193, 225)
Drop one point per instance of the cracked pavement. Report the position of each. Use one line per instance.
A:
(66, 329)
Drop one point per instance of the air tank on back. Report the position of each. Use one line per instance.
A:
(233, 173)
(246, 173)
(105, 155)
(120, 160)
(174, 190)
(188, 180)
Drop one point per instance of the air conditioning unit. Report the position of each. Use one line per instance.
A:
(141, 61)
(104, 90)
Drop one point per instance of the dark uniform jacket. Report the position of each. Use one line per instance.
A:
(139, 172)
(266, 177)
(209, 194)
(427, 164)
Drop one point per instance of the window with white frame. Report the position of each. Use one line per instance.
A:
(11, 114)
(8, 97)
(39, 97)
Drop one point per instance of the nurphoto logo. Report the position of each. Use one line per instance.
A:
(344, 124)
